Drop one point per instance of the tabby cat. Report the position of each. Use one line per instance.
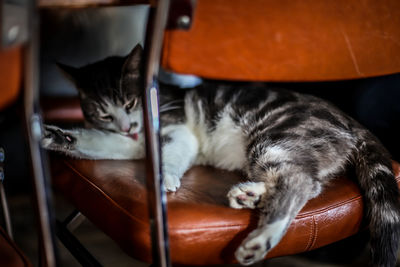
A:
(289, 145)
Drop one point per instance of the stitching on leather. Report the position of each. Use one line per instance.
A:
(355, 198)
(315, 222)
(306, 214)
(310, 238)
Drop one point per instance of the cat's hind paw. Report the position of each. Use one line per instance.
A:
(246, 195)
(253, 249)
(261, 241)
(57, 139)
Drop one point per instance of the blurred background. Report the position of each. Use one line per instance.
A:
(80, 37)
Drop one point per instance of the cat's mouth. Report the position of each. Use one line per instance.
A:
(134, 136)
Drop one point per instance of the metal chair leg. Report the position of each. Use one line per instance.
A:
(4, 204)
(80, 253)
(34, 126)
(73, 220)
(156, 195)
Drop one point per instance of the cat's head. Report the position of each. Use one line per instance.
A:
(110, 92)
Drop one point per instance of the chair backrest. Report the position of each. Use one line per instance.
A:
(10, 75)
(288, 40)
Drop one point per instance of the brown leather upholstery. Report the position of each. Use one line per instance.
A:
(290, 40)
(10, 75)
(10, 255)
(61, 109)
(203, 229)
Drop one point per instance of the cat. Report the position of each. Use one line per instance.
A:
(289, 145)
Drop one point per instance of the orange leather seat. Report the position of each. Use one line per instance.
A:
(203, 229)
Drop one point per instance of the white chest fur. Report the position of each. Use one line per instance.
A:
(224, 147)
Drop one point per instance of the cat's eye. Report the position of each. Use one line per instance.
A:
(107, 118)
(131, 104)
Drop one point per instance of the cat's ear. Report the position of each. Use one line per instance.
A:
(132, 64)
(72, 73)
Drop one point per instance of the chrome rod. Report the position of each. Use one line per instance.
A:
(6, 211)
(4, 204)
(155, 192)
(80, 253)
(34, 127)
(157, 21)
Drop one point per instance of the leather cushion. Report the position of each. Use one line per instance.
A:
(10, 255)
(290, 40)
(203, 230)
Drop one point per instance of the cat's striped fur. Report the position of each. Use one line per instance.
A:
(289, 145)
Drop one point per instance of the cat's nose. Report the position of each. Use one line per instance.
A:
(126, 128)
(131, 126)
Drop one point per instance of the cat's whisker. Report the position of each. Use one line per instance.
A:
(169, 108)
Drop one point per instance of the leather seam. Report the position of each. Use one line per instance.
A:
(315, 233)
(355, 198)
(307, 214)
(310, 238)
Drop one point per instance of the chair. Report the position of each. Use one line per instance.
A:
(10, 75)
(236, 40)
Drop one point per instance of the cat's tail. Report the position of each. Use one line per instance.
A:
(381, 196)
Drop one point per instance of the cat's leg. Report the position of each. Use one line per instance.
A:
(260, 241)
(92, 143)
(286, 191)
(179, 150)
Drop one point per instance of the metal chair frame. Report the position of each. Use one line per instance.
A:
(158, 20)
(157, 23)
(48, 249)
(3, 198)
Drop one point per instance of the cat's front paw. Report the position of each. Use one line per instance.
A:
(57, 139)
(246, 195)
(171, 182)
